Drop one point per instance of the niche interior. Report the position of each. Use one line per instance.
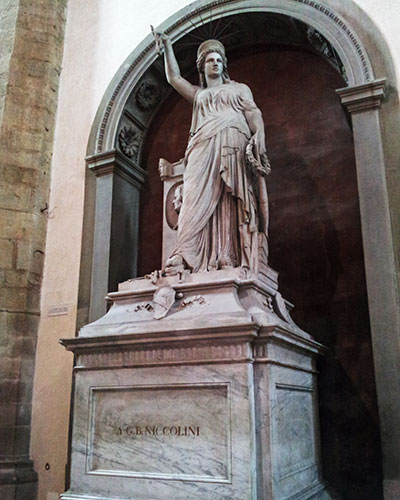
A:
(315, 231)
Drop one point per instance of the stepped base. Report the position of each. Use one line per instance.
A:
(196, 388)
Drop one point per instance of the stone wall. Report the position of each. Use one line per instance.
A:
(31, 47)
(8, 17)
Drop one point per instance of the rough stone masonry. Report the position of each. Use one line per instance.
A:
(31, 47)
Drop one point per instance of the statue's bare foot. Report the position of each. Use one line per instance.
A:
(174, 265)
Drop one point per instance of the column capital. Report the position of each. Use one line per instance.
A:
(114, 162)
(363, 97)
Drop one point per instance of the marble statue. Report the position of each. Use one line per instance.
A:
(223, 217)
(199, 384)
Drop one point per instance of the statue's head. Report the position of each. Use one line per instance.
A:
(206, 48)
(178, 198)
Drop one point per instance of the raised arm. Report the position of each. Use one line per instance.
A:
(172, 71)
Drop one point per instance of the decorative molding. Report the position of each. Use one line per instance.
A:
(363, 97)
(348, 34)
(111, 102)
(291, 366)
(188, 354)
(341, 24)
(14, 471)
(293, 387)
(99, 353)
(298, 470)
(276, 347)
(311, 3)
(134, 119)
(289, 338)
(111, 424)
(317, 490)
(114, 162)
(72, 496)
(324, 47)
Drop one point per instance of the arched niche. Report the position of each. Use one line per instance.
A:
(135, 95)
(314, 236)
(120, 126)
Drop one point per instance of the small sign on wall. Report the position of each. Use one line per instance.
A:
(58, 310)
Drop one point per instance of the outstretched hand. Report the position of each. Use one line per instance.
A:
(161, 39)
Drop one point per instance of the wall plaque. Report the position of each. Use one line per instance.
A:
(161, 432)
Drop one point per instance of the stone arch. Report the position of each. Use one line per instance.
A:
(115, 128)
(333, 27)
(362, 98)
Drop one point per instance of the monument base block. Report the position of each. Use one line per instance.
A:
(214, 400)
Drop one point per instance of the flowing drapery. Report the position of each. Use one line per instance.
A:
(218, 224)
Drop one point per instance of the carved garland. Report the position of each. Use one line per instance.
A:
(200, 10)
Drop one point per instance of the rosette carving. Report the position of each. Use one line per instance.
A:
(129, 141)
(147, 95)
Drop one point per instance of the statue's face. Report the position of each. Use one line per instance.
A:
(177, 200)
(213, 65)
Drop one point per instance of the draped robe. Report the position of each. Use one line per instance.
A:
(218, 223)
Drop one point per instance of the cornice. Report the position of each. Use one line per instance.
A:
(363, 97)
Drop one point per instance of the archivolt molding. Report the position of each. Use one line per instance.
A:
(322, 18)
(366, 66)
(284, 7)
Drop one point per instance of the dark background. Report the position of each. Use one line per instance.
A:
(315, 239)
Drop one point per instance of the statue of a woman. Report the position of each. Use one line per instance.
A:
(223, 220)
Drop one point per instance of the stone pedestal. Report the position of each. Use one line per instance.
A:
(215, 399)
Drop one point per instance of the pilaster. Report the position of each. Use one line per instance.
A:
(118, 184)
(363, 103)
